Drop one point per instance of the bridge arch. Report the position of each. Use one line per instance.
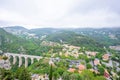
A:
(21, 58)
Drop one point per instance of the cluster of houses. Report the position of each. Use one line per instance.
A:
(49, 43)
(5, 64)
(74, 51)
(76, 65)
(70, 50)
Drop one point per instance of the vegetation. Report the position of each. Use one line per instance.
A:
(86, 39)
(21, 74)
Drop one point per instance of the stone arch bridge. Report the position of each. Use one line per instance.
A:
(32, 57)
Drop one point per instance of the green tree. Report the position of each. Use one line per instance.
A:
(101, 70)
(56, 75)
(65, 76)
(18, 72)
(6, 75)
(89, 66)
(24, 75)
(51, 73)
(75, 76)
(87, 75)
(4, 57)
(60, 71)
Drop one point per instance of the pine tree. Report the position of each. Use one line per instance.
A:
(50, 74)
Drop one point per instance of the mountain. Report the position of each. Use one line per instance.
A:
(15, 44)
(68, 37)
(106, 36)
(43, 31)
(12, 43)
(17, 30)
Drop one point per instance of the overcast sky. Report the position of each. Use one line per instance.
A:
(60, 13)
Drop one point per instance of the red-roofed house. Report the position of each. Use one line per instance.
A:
(105, 57)
(81, 67)
(71, 70)
(106, 74)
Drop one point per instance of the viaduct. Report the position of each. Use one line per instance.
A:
(20, 56)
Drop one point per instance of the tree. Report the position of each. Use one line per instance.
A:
(50, 74)
(75, 76)
(18, 72)
(6, 75)
(101, 70)
(24, 75)
(89, 66)
(65, 76)
(4, 57)
(87, 75)
(56, 75)
(60, 71)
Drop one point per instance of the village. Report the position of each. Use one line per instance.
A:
(79, 64)
(79, 61)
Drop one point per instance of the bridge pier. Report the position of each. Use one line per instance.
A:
(38, 59)
(14, 59)
(26, 62)
(32, 60)
(20, 61)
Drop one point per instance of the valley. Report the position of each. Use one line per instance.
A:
(74, 54)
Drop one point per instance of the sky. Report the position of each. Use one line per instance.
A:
(60, 13)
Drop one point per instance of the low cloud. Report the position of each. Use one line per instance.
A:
(60, 13)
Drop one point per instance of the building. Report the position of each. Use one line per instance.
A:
(89, 53)
(81, 67)
(39, 77)
(106, 74)
(5, 64)
(71, 69)
(96, 62)
(105, 57)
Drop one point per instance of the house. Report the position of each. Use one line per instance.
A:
(72, 63)
(39, 77)
(106, 74)
(93, 53)
(96, 62)
(105, 57)
(5, 64)
(96, 71)
(81, 67)
(71, 69)
(89, 53)
(35, 77)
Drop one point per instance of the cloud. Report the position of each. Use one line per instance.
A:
(60, 13)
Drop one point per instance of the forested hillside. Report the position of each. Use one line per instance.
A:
(91, 39)
(12, 43)
(72, 38)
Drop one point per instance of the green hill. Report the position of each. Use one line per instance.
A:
(72, 38)
(12, 43)
(15, 44)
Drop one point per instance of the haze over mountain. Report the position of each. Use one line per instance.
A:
(106, 36)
